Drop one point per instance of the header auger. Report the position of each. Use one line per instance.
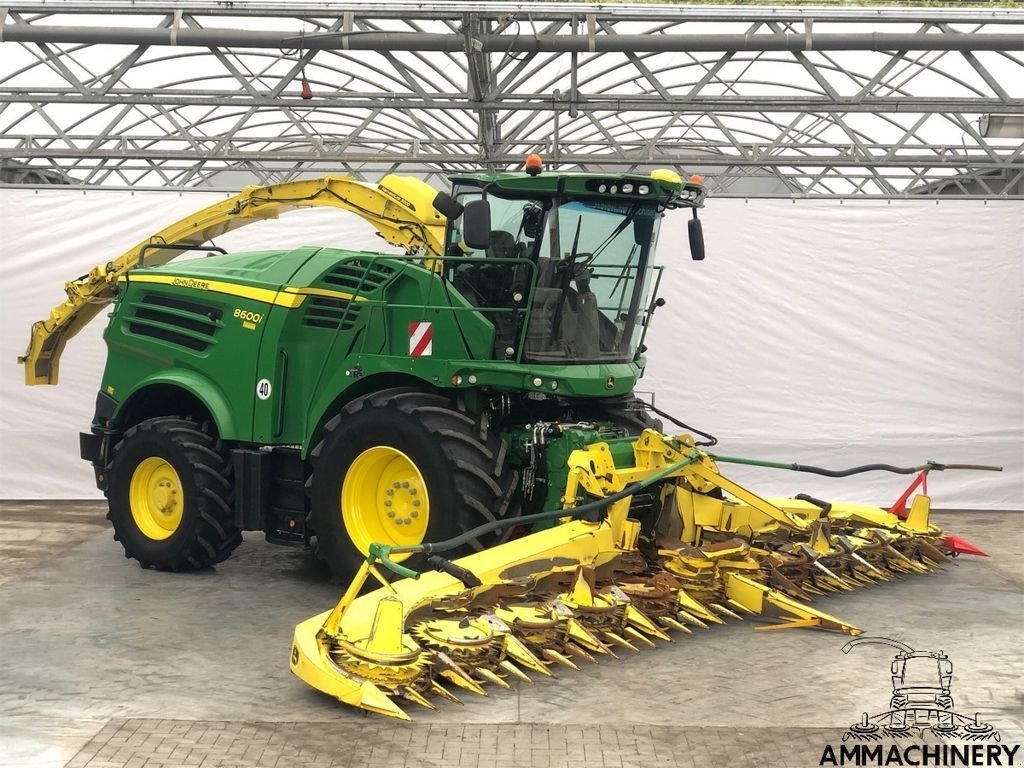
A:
(600, 582)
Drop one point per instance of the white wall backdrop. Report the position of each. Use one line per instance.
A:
(816, 331)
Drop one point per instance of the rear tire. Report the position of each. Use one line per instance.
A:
(170, 496)
(458, 461)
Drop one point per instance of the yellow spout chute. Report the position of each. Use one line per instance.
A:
(399, 207)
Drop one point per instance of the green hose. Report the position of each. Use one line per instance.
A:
(381, 552)
(927, 467)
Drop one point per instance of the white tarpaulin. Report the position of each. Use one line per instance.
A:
(816, 331)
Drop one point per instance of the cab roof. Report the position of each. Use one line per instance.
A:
(658, 185)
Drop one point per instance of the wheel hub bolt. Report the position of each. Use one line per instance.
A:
(391, 513)
(405, 485)
(414, 513)
(412, 491)
(408, 521)
(397, 484)
(415, 502)
(387, 503)
(390, 491)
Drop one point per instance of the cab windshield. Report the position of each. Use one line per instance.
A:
(593, 275)
(592, 282)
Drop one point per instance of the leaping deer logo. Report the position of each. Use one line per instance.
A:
(921, 699)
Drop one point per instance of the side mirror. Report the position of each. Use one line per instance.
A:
(447, 206)
(696, 238)
(476, 225)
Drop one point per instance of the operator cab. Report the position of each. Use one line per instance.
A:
(562, 265)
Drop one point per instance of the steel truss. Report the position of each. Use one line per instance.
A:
(761, 100)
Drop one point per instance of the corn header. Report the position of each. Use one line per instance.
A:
(601, 582)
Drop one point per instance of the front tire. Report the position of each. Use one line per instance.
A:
(402, 466)
(169, 496)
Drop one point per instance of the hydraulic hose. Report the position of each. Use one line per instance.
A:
(709, 439)
(927, 467)
(382, 552)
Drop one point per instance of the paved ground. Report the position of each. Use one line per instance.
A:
(104, 664)
(31, 535)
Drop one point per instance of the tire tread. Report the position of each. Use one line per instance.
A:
(215, 535)
(477, 456)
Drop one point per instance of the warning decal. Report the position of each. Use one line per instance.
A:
(421, 339)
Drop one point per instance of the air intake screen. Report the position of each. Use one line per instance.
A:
(358, 275)
(188, 324)
(334, 314)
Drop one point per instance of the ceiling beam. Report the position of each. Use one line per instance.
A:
(955, 157)
(533, 102)
(952, 10)
(25, 32)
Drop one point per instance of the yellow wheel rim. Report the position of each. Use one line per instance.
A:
(156, 498)
(384, 499)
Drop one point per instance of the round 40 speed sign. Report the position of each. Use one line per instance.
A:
(263, 389)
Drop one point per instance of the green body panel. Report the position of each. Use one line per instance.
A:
(310, 366)
(313, 364)
(267, 269)
(274, 342)
(221, 375)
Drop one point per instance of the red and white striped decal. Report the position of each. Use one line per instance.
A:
(421, 339)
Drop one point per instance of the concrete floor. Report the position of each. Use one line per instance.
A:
(105, 664)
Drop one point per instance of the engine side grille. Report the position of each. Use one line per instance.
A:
(358, 275)
(330, 313)
(188, 324)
